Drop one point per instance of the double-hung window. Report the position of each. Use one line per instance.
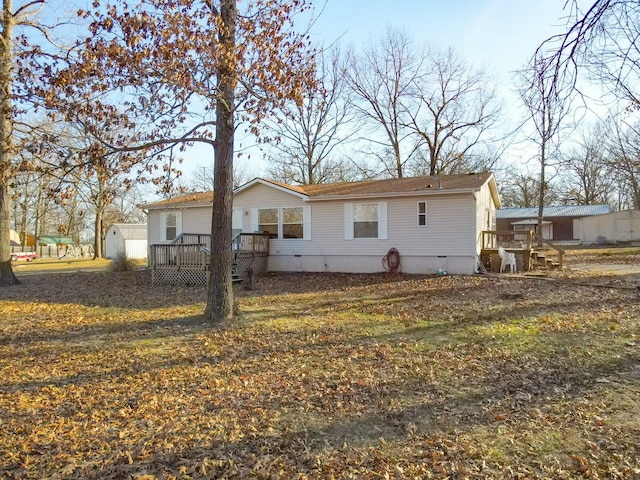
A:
(170, 226)
(293, 222)
(365, 220)
(283, 222)
(268, 221)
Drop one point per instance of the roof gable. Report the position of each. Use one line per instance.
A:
(297, 190)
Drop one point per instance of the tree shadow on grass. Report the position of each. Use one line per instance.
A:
(108, 333)
(444, 417)
(102, 289)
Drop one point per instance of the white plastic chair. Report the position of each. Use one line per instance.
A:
(508, 259)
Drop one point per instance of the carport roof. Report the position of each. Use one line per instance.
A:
(554, 211)
(55, 240)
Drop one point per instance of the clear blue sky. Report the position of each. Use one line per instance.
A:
(498, 35)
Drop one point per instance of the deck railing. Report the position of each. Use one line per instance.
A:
(178, 256)
(193, 238)
(191, 250)
(251, 242)
(519, 239)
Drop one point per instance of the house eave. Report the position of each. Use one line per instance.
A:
(176, 206)
(421, 193)
(261, 181)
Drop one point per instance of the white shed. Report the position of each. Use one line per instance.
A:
(126, 238)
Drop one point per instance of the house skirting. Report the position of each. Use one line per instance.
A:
(455, 265)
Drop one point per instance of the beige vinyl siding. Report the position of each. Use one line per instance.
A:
(449, 230)
(154, 227)
(196, 220)
(485, 205)
(193, 220)
(262, 196)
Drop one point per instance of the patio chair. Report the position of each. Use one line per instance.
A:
(507, 259)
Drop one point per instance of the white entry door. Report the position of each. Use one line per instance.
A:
(236, 219)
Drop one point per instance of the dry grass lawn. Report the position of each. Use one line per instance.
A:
(322, 376)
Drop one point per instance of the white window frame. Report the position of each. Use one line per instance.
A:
(349, 224)
(177, 226)
(277, 223)
(306, 221)
(283, 223)
(422, 214)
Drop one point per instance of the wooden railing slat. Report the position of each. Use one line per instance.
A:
(191, 250)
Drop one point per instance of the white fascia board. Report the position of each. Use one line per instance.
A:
(255, 181)
(179, 206)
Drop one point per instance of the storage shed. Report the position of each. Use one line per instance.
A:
(611, 227)
(128, 239)
(558, 221)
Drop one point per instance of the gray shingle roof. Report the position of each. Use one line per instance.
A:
(132, 231)
(554, 211)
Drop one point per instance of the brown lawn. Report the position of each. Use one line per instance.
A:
(323, 376)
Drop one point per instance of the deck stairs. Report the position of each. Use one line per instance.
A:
(545, 260)
(234, 275)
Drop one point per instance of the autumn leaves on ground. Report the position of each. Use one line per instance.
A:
(322, 376)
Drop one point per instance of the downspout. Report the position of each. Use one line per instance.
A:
(146, 213)
(476, 258)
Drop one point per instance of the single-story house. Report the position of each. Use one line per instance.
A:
(610, 227)
(558, 221)
(433, 222)
(128, 239)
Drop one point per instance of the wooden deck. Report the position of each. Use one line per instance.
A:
(186, 261)
(520, 243)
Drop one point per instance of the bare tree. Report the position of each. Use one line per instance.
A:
(522, 190)
(601, 39)
(382, 78)
(201, 179)
(624, 150)
(587, 176)
(305, 135)
(451, 110)
(548, 103)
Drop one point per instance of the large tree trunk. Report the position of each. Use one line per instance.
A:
(6, 115)
(97, 231)
(6, 271)
(220, 290)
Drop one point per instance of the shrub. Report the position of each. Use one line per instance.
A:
(122, 264)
